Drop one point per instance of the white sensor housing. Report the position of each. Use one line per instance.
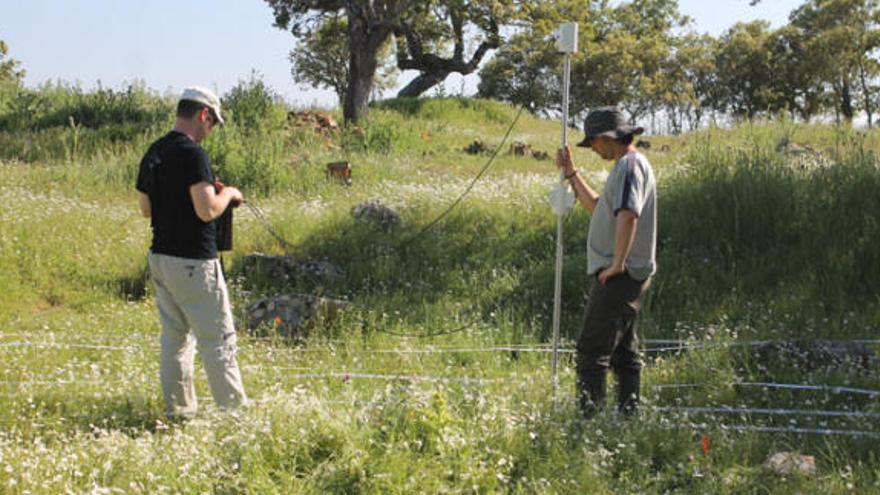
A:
(567, 38)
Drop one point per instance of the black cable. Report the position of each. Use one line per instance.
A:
(425, 335)
(470, 186)
(290, 247)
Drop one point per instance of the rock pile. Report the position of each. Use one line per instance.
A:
(292, 315)
(518, 148)
(320, 122)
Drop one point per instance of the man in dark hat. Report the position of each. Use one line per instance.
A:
(621, 252)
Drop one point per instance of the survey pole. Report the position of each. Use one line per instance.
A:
(561, 196)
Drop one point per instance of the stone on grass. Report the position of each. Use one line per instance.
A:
(292, 315)
(288, 268)
(785, 463)
(376, 214)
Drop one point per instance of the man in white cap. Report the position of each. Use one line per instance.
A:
(621, 258)
(180, 195)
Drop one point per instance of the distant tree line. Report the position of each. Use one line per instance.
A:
(641, 55)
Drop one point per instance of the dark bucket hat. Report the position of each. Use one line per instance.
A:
(607, 121)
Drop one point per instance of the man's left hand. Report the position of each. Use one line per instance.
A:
(610, 272)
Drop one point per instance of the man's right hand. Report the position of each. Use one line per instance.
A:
(564, 160)
(237, 198)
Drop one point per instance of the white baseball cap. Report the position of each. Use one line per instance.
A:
(205, 97)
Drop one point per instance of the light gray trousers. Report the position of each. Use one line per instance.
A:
(191, 295)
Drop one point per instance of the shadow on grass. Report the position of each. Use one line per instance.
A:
(66, 412)
(133, 286)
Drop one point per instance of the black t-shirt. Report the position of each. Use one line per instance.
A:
(171, 165)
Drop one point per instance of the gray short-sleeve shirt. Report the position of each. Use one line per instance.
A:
(631, 185)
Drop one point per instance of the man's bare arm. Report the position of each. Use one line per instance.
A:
(208, 203)
(144, 203)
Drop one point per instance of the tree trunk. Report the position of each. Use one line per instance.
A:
(360, 86)
(846, 106)
(423, 82)
(866, 92)
(364, 44)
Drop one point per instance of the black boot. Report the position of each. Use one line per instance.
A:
(591, 391)
(628, 384)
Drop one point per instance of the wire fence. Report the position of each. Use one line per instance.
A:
(664, 345)
(767, 411)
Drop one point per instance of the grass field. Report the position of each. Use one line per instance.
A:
(756, 245)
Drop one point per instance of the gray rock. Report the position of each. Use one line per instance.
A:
(293, 315)
(785, 463)
(377, 214)
(788, 148)
(782, 144)
(288, 268)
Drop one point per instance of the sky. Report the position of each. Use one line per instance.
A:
(169, 45)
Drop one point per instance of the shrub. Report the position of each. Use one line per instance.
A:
(253, 107)
(54, 105)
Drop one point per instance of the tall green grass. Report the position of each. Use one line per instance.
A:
(749, 226)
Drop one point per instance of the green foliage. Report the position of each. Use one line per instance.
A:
(523, 74)
(376, 136)
(644, 57)
(454, 110)
(253, 107)
(255, 163)
(10, 78)
(745, 69)
(9, 68)
(840, 38)
(251, 151)
(322, 60)
(61, 104)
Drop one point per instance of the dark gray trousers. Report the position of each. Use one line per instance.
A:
(609, 340)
